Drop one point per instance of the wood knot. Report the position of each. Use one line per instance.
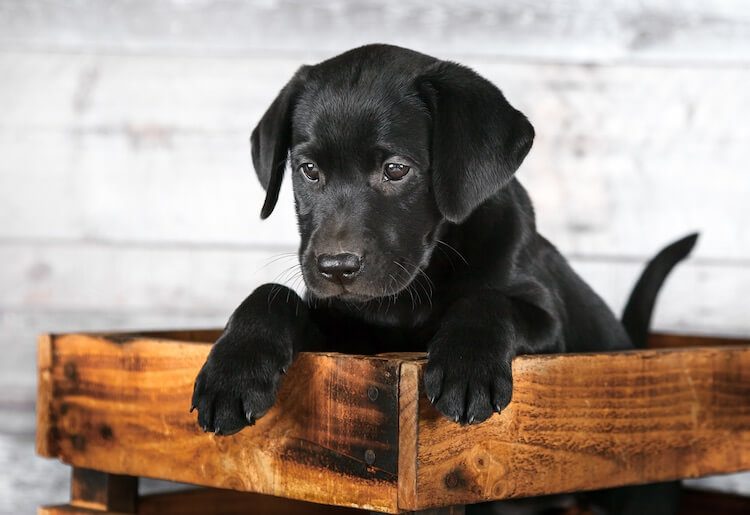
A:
(369, 456)
(500, 490)
(454, 479)
(70, 371)
(372, 393)
(78, 442)
(106, 432)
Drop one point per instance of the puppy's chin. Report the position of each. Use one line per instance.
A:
(357, 293)
(349, 293)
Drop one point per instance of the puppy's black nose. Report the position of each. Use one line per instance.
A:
(339, 267)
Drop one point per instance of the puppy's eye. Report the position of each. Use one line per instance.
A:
(395, 171)
(311, 173)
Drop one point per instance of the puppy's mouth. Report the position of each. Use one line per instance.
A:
(392, 279)
(350, 296)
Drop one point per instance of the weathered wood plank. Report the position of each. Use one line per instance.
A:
(122, 407)
(18, 334)
(681, 341)
(408, 402)
(582, 30)
(581, 422)
(158, 133)
(46, 444)
(67, 509)
(576, 422)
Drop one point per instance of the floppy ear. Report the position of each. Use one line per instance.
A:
(478, 141)
(271, 139)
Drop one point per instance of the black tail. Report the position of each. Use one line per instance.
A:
(637, 314)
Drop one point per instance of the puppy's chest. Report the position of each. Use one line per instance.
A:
(379, 330)
(369, 339)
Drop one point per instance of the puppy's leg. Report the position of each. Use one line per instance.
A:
(468, 374)
(238, 382)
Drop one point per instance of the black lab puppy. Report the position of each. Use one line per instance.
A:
(415, 235)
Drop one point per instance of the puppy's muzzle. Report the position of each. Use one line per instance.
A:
(339, 268)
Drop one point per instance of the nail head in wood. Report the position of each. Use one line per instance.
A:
(372, 393)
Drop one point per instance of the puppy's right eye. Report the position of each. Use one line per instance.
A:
(311, 173)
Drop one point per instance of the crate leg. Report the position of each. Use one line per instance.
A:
(94, 492)
(101, 491)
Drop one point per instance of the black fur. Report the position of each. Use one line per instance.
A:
(451, 262)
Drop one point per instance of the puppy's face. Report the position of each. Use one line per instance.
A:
(361, 172)
(385, 145)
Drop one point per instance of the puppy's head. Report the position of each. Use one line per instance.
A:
(386, 146)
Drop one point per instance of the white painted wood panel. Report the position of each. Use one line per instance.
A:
(29, 481)
(104, 278)
(198, 189)
(155, 150)
(114, 279)
(580, 30)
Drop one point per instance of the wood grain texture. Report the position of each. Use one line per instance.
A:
(576, 422)
(672, 340)
(45, 440)
(19, 330)
(408, 402)
(582, 30)
(121, 406)
(581, 422)
(67, 509)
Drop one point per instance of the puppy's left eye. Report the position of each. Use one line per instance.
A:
(311, 173)
(395, 171)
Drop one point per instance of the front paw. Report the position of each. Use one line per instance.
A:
(467, 385)
(238, 383)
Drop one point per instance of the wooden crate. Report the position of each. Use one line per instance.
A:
(359, 432)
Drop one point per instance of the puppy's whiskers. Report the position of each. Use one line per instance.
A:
(441, 242)
(408, 286)
(428, 286)
(288, 273)
(447, 257)
(279, 278)
(278, 257)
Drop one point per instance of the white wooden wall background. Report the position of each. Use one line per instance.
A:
(127, 199)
